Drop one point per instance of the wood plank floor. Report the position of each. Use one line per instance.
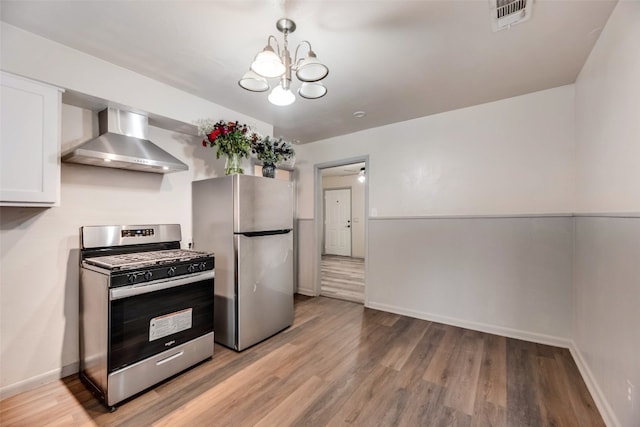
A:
(342, 277)
(343, 364)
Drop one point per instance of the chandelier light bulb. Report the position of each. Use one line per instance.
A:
(281, 96)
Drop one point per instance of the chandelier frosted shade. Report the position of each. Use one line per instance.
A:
(268, 64)
(311, 70)
(312, 90)
(254, 82)
(281, 97)
(272, 63)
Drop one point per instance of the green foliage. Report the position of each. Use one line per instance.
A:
(272, 151)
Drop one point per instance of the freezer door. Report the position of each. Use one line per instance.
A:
(262, 204)
(265, 286)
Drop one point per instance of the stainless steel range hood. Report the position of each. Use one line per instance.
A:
(123, 144)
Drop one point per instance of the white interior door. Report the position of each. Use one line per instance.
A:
(337, 222)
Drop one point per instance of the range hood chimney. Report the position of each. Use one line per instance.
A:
(123, 144)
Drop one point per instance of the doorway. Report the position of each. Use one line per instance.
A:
(341, 214)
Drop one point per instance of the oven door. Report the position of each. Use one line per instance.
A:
(151, 318)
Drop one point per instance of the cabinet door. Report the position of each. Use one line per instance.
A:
(29, 142)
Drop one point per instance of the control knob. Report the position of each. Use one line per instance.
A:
(148, 275)
(192, 268)
(171, 271)
(202, 266)
(131, 278)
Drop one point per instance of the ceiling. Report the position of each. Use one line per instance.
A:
(344, 170)
(394, 59)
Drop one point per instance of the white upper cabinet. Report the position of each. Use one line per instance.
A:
(29, 142)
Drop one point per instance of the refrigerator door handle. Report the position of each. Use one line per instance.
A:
(265, 233)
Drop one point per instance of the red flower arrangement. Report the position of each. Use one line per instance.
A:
(231, 139)
(228, 137)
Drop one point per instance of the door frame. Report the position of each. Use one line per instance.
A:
(324, 210)
(318, 218)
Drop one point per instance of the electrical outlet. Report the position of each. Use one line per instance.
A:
(630, 393)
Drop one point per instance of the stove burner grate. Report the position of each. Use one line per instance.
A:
(145, 259)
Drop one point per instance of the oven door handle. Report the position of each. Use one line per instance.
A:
(133, 290)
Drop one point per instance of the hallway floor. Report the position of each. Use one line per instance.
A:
(343, 278)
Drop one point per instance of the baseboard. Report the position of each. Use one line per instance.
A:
(605, 409)
(33, 382)
(306, 292)
(476, 326)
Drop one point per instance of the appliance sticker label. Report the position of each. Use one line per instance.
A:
(168, 324)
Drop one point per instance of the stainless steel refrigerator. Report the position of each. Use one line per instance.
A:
(247, 222)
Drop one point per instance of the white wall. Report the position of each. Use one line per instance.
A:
(357, 208)
(514, 156)
(606, 286)
(608, 117)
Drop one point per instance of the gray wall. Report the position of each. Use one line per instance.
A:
(606, 305)
(305, 261)
(507, 275)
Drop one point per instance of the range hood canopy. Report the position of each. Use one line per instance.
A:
(123, 144)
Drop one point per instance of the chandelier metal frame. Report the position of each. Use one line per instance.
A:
(270, 63)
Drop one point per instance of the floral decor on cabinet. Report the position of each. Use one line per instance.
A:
(236, 141)
(231, 139)
(270, 150)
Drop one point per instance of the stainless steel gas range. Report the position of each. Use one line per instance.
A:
(146, 308)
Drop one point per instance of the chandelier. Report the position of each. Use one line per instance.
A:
(272, 63)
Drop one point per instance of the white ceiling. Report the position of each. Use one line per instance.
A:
(394, 59)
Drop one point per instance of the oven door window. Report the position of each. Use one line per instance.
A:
(147, 324)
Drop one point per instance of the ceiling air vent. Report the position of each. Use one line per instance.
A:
(505, 13)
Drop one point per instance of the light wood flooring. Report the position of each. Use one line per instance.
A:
(343, 364)
(342, 277)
